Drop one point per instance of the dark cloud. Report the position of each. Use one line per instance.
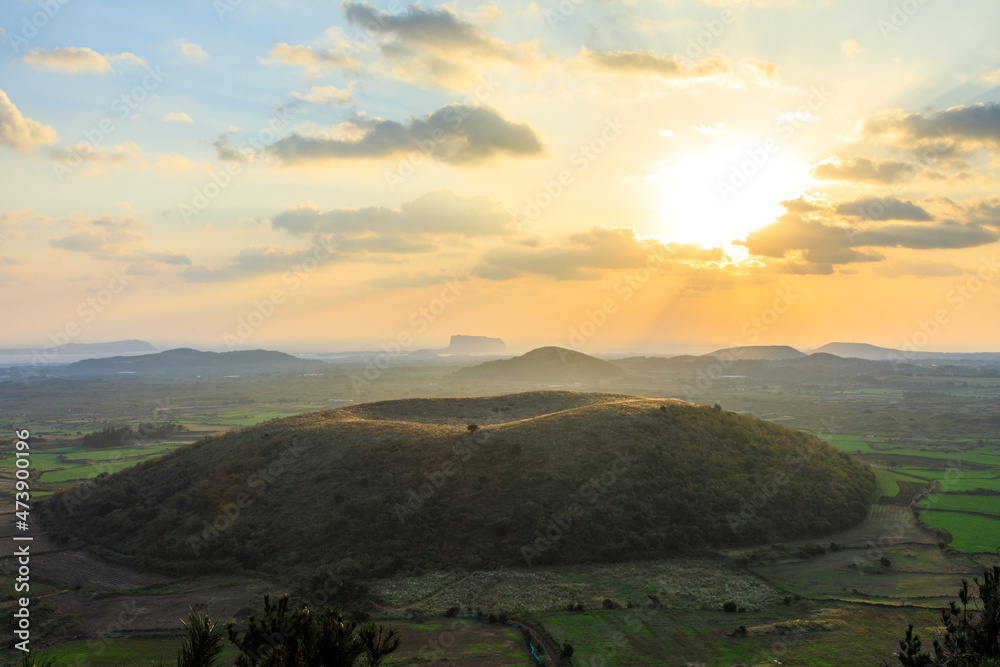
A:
(437, 29)
(434, 213)
(823, 243)
(955, 131)
(947, 234)
(457, 134)
(880, 210)
(652, 63)
(862, 170)
(437, 45)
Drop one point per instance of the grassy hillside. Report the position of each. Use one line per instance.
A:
(545, 364)
(548, 477)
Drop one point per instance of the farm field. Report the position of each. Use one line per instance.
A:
(970, 532)
(452, 641)
(802, 634)
(962, 502)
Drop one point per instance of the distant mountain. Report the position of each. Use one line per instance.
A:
(860, 351)
(545, 365)
(765, 352)
(475, 345)
(876, 353)
(116, 347)
(185, 361)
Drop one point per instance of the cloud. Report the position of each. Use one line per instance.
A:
(456, 134)
(189, 49)
(12, 222)
(259, 260)
(437, 45)
(956, 131)
(948, 234)
(862, 170)
(19, 133)
(878, 209)
(77, 59)
(436, 213)
(716, 128)
(650, 63)
(820, 242)
(588, 255)
(921, 268)
(114, 238)
(330, 96)
(851, 47)
(762, 72)
(177, 118)
(314, 60)
(95, 156)
(985, 211)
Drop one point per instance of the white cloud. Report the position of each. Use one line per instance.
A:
(177, 118)
(850, 47)
(189, 49)
(327, 95)
(715, 128)
(78, 59)
(19, 133)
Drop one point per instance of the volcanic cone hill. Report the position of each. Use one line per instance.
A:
(547, 477)
(545, 364)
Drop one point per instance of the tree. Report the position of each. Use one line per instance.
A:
(302, 639)
(472, 428)
(971, 631)
(204, 643)
(377, 642)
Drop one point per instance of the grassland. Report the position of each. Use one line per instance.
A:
(970, 532)
(962, 502)
(803, 634)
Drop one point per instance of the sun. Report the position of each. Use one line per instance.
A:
(714, 197)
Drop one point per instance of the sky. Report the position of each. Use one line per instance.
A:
(663, 176)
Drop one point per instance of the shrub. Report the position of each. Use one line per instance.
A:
(729, 607)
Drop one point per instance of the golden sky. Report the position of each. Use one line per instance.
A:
(645, 176)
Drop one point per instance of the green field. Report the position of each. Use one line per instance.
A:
(987, 454)
(967, 503)
(949, 475)
(86, 472)
(797, 635)
(846, 443)
(970, 533)
(887, 481)
(114, 454)
(971, 484)
(121, 652)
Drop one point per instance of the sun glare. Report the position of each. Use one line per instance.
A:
(715, 198)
